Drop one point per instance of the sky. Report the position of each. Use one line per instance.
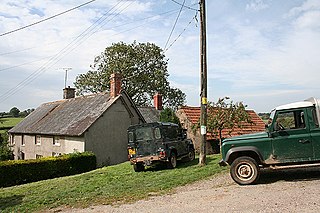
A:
(264, 53)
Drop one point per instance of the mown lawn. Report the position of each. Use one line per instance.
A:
(108, 185)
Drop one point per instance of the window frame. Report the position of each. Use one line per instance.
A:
(38, 139)
(295, 116)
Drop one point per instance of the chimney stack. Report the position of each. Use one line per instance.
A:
(69, 92)
(115, 84)
(157, 99)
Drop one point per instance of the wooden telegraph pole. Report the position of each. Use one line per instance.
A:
(203, 79)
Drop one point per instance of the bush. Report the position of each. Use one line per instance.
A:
(6, 152)
(25, 171)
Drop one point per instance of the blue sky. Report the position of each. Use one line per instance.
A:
(262, 52)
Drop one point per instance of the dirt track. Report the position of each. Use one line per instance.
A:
(280, 191)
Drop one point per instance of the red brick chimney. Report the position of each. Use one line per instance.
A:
(157, 100)
(115, 84)
(69, 92)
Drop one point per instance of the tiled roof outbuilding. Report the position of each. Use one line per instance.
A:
(193, 116)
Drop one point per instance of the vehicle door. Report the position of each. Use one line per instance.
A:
(314, 132)
(145, 141)
(182, 137)
(175, 140)
(291, 138)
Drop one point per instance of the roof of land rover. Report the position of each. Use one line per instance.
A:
(153, 124)
(307, 103)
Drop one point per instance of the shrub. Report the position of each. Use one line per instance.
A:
(25, 171)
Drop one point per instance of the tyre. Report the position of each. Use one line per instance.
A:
(172, 161)
(138, 167)
(191, 154)
(244, 170)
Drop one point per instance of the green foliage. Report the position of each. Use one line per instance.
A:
(6, 152)
(226, 115)
(168, 115)
(26, 112)
(109, 185)
(25, 171)
(144, 72)
(286, 120)
(14, 112)
(264, 116)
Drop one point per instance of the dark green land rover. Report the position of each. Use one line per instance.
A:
(157, 142)
(291, 140)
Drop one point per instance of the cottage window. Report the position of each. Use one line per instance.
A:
(38, 156)
(38, 139)
(57, 140)
(22, 141)
(12, 140)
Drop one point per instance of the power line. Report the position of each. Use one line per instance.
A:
(46, 19)
(51, 43)
(52, 61)
(165, 50)
(26, 63)
(71, 46)
(193, 18)
(174, 26)
(190, 8)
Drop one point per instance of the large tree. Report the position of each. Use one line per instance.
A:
(144, 72)
(14, 112)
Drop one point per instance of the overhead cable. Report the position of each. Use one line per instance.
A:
(190, 8)
(174, 25)
(121, 25)
(53, 60)
(46, 19)
(194, 18)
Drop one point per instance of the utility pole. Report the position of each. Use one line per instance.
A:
(203, 83)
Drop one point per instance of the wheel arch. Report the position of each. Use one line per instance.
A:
(173, 150)
(250, 151)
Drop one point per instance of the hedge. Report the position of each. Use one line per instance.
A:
(17, 172)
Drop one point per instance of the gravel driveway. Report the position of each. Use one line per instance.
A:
(277, 191)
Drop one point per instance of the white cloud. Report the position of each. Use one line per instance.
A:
(256, 5)
(308, 5)
(309, 20)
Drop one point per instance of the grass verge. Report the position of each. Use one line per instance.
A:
(108, 185)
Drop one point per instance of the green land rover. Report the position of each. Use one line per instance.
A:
(291, 140)
(152, 143)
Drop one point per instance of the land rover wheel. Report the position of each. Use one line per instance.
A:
(191, 154)
(244, 170)
(138, 167)
(172, 161)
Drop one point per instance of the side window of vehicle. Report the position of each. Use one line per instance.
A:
(130, 137)
(314, 117)
(171, 133)
(157, 133)
(290, 120)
